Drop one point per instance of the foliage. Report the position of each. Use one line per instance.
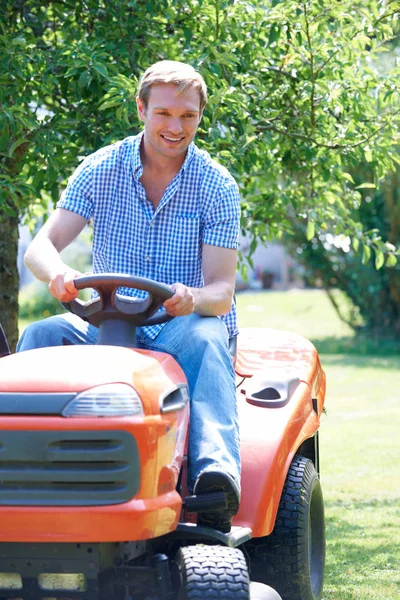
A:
(296, 98)
(372, 289)
(300, 101)
(60, 63)
(295, 93)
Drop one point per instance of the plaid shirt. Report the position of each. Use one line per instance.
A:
(201, 205)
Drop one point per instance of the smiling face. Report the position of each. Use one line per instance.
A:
(170, 121)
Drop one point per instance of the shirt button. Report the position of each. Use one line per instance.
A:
(151, 224)
(147, 258)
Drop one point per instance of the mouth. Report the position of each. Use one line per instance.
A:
(172, 140)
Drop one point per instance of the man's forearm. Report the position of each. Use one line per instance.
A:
(213, 300)
(43, 260)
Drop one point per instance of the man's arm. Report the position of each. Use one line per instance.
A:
(215, 298)
(43, 254)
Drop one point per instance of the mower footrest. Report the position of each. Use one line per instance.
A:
(213, 501)
(236, 537)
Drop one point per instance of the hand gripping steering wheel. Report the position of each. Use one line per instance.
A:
(110, 305)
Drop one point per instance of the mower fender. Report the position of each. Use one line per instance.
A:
(280, 399)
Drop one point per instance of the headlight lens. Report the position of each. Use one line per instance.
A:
(110, 400)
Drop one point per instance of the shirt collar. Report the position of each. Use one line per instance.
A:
(137, 166)
(188, 157)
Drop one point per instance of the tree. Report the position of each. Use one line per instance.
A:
(373, 289)
(296, 101)
(60, 61)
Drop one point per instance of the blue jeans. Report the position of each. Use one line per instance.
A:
(200, 346)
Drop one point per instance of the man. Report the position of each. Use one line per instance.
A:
(162, 209)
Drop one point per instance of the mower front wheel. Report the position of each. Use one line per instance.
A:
(208, 572)
(292, 558)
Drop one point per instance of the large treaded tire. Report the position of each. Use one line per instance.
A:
(212, 572)
(292, 558)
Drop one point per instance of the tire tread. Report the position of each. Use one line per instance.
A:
(213, 572)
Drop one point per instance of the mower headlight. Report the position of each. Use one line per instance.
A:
(109, 400)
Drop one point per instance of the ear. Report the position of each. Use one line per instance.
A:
(141, 109)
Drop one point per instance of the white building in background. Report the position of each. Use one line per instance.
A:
(273, 268)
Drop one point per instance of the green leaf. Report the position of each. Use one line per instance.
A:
(366, 254)
(368, 155)
(100, 68)
(356, 243)
(366, 186)
(4, 139)
(310, 231)
(14, 146)
(379, 259)
(348, 177)
(110, 104)
(391, 260)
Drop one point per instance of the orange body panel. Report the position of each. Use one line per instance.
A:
(269, 436)
(160, 438)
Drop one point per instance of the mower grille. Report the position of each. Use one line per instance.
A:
(68, 468)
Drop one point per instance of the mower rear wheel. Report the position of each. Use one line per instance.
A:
(212, 572)
(292, 558)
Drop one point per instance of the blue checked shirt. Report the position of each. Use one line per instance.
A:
(201, 205)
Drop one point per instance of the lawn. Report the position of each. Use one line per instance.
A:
(360, 443)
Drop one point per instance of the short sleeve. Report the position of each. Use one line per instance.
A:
(222, 223)
(78, 196)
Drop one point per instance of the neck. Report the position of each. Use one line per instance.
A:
(152, 161)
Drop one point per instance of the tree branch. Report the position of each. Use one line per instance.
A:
(216, 21)
(313, 141)
(280, 71)
(312, 95)
(337, 308)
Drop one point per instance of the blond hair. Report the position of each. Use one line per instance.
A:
(182, 75)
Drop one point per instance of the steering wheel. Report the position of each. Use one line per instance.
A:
(110, 305)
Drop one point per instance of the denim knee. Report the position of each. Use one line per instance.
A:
(38, 335)
(209, 331)
(53, 331)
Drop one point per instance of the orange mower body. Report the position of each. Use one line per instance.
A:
(113, 488)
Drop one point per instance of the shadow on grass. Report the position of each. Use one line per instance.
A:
(361, 362)
(360, 345)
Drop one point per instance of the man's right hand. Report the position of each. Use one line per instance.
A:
(62, 286)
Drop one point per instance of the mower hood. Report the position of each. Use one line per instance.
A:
(77, 368)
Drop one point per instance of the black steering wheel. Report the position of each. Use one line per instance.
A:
(110, 305)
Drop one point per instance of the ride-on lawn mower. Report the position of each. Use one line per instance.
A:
(93, 496)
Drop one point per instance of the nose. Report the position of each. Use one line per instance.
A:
(175, 125)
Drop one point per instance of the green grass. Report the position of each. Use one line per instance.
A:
(360, 444)
(307, 312)
(310, 313)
